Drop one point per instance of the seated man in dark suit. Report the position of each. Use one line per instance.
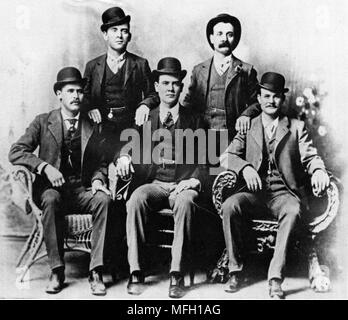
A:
(169, 183)
(68, 157)
(274, 158)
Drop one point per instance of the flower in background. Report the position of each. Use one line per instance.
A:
(300, 101)
(309, 94)
(322, 131)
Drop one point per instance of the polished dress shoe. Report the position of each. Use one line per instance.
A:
(177, 285)
(95, 280)
(56, 281)
(275, 289)
(136, 283)
(233, 282)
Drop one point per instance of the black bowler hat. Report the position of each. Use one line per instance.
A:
(68, 75)
(274, 82)
(113, 17)
(169, 65)
(224, 17)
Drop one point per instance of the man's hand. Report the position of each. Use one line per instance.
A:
(142, 115)
(98, 185)
(252, 179)
(95, 115)
(243, 124)
(124, 167)
(54, 176)
(320, 181)
(192, 184)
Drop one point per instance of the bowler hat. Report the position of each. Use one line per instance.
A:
(224, 17)
(113, 17)
(68, 75)
(171, 66)
(274, 82)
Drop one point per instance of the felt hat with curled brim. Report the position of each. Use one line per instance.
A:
(224, 17)
(113, 17)
(274, 82)
(169, 65)
(68, 75)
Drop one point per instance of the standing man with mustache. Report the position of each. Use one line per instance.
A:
(68, 156)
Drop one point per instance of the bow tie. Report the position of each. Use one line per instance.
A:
(72, 128)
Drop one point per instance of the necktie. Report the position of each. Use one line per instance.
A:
(71, 129)
(168, 120)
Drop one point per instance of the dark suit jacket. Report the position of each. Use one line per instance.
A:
(137, 83)
(240, 91)
(295, 155)
(46, 132)
(145, 170)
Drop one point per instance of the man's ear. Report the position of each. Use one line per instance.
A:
(258, 98)
(59, 94)
(181, 87)
(130, 37)
(105, 36)
(156, 86)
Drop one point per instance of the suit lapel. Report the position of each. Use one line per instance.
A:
(232, 71)
(130, 64)
(86, 133)
(55, 126)
(282, 131)
(205, 72)
(256, 131)
(101, 67)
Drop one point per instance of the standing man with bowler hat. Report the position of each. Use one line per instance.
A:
(169, 181)
(274, 160)
(68, 156)
(116, 81)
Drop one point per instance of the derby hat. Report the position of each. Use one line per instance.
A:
(113, 17)
(224, 17)
(68, 75)
(274, 82)
(169, 65)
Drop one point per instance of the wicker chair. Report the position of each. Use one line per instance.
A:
(78, 227)
(266, 230)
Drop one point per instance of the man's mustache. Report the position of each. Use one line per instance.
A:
(224, 44)
(76, 101)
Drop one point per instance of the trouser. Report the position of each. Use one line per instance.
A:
(145, 201)
(56, 203)
(240, 206)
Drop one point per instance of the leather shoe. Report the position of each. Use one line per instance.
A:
(233, 282)
(136, 283)
(275, 289)
(96, 282)
(56, 281)
(177, 285)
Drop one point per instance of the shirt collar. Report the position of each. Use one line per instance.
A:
(111, 56)
(174, 111)
(66, 117)
(222, 60)
(267, 123)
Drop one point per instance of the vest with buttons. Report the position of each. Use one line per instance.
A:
(167, 172)
(113, 87)
(71, 156)
(272, 180)
(215, 112)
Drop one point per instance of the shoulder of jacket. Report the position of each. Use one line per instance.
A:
(95, 60)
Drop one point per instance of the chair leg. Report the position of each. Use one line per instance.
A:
(26, 246)
(318, 278)
(34, 246)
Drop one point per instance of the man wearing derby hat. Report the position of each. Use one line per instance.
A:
(166, 182)
(116, 81)
(274, 161)
(68, 144)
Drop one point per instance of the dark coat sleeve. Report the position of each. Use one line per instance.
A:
(253, 108)
(21, 152)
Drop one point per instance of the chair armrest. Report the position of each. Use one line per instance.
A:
(323, 221)
(226, 179)
(117, 185)
(22, 190)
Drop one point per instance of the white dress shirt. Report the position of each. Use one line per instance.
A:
(222, 64)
